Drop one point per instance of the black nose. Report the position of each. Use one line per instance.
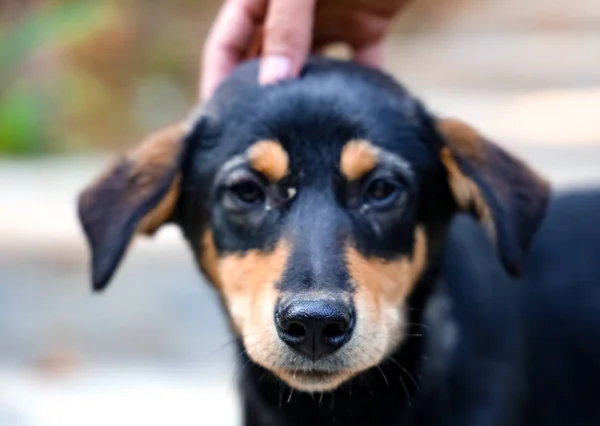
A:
(315, 328)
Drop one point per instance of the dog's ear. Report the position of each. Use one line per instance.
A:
(503, 193)
(136, 195)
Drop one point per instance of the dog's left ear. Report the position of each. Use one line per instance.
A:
(503, 193)
(136, 195)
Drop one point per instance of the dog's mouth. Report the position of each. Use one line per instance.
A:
(314, 380)
(317, 376)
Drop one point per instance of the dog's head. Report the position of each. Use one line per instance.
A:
(314, 207)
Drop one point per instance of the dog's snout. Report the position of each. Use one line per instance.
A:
(315, 328)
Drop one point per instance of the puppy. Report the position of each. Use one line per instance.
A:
(331, 213)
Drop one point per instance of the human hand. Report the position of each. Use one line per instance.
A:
(286, 31)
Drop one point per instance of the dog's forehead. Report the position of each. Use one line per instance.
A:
(313, 117)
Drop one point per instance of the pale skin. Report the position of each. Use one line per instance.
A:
(284, 32)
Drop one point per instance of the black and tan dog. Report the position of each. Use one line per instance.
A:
(324, 211)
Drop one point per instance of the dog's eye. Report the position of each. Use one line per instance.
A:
(382, 192)
(248, 192)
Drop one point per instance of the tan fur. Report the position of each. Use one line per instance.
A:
(163, 211)
(462, 139)
(141, 170)
(466, 142)
(209, 260)
(154, 157)
(269, 158)
(358, 158)
(389, 281)
(381, 290)
(247, 285)
(311, 382)
(466, 193)
(160, 149)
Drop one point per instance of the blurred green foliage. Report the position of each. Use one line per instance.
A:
(25, 111)
(20, 121)
(73, 72)
(60, 24)
(80, 75)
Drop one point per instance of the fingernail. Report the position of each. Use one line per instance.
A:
(274, 68)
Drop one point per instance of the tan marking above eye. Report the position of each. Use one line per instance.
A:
(358, 158)
(388, 282)
(269, 158)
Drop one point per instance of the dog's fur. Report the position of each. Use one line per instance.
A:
(340, 189)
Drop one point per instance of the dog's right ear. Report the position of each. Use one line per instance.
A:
(136, 195)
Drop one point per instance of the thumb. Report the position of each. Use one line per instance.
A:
(287, 39)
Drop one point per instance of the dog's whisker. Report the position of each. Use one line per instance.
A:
(408, 399)
(414, 381)
(238, 372)
(383, 374)
(281, 395)
(367, 386)
(417, 324)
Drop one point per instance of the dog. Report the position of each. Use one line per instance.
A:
(379, 265)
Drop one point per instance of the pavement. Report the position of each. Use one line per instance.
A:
(118, 396)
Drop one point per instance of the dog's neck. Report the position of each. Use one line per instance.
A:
(380, 396)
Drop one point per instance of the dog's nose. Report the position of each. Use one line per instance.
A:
(315, 328)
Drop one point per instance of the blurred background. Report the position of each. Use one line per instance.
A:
(83, 80)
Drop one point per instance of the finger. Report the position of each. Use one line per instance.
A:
(255, 48)
(370, 55)
(288, 37)
(229, 40)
